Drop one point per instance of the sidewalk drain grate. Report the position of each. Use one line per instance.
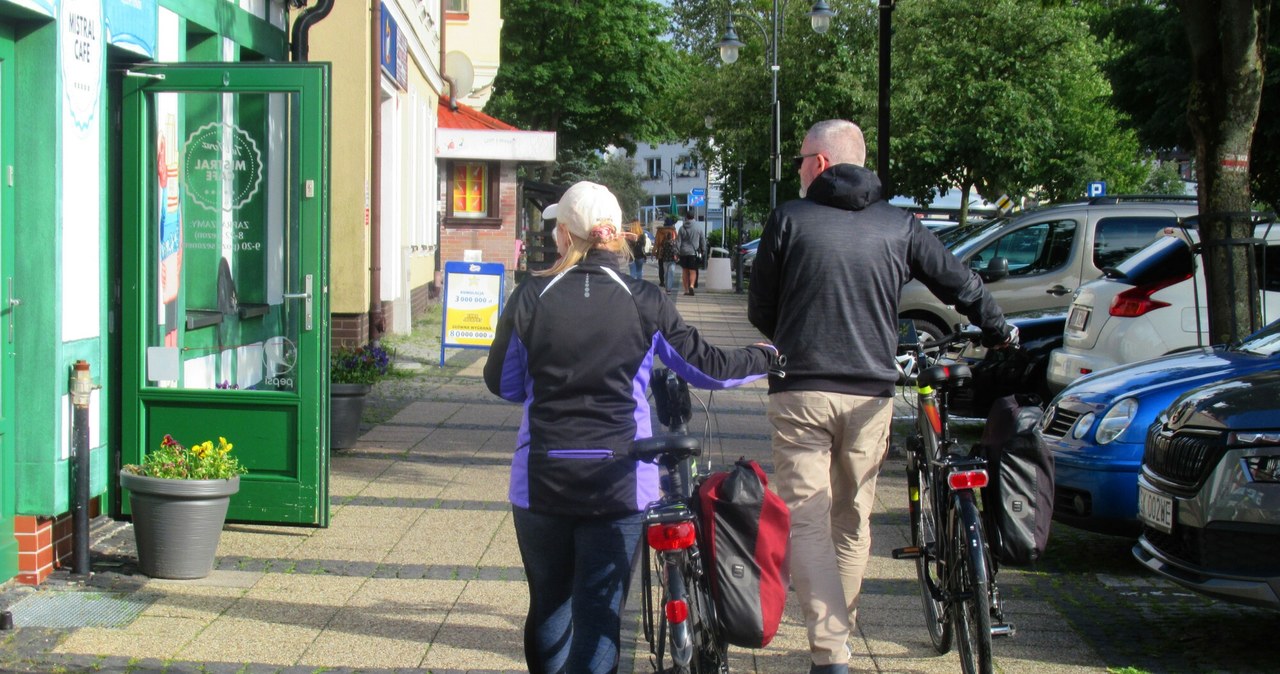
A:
(78, 609)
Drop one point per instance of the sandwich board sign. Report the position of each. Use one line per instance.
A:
(473, 294)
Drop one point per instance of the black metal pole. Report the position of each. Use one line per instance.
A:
(775, 163)
(81, 386)
(882, 133)
(737, 215)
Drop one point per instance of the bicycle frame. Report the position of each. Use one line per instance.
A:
(954, 565)
(674, 535)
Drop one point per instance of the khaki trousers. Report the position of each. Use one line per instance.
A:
(827, 452)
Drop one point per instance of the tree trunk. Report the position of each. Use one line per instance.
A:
(965, 186)
(1227, 39)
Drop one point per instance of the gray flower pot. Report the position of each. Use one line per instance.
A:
(177, 523)
(346, 408)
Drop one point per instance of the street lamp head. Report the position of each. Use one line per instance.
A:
(820, 17)
(730, 44)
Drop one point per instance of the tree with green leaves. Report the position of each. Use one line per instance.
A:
(1005, 96)
(1228, 43)
(820, 77)
(1149, 64)
(617, 172)
(593, 72)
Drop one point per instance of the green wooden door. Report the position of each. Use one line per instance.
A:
(225, 305)
(10, 306)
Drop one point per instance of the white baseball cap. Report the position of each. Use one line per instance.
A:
(585, 207)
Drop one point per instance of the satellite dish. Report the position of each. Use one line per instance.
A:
(458, 67)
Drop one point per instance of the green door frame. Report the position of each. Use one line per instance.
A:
(8, 477)
(278, 424)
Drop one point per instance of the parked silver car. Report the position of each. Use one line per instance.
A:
(1037, 259)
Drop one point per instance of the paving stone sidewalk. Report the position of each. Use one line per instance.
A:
(419, 570)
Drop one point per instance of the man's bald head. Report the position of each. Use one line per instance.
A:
(839, 139)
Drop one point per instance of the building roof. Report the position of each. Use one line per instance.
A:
(467, 117)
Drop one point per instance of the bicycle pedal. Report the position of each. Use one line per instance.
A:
(1003, 630)
(913, 552)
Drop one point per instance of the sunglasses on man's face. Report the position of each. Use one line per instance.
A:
(798, 160)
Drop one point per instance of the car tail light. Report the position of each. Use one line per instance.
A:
(967, 479)
(677, 611)
(671, 536)
(1137, 301)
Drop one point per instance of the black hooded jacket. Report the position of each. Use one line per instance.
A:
(826, 280)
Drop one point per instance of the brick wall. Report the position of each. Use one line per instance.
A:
(44, 544)
(496, 244)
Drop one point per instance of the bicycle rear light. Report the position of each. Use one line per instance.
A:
(967, 479)
(677, 611)
(671, 536)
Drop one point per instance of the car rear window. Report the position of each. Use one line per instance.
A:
(1117, 238)
(1165, 258)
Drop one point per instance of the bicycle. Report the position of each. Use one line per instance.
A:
(954, 565)
(688, 622)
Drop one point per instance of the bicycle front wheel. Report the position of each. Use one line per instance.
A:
(970, 586)
(924, 535)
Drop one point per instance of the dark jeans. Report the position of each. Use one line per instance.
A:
(579, 570)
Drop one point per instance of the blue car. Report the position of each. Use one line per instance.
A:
(1096, 427)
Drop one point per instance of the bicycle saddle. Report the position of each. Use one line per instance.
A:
(944, 374)
(673, 448)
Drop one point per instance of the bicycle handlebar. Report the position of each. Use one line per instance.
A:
(970, 333)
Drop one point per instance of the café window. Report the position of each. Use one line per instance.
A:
(473, 193)
(653, 168)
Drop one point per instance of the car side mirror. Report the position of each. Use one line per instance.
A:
(997, 268)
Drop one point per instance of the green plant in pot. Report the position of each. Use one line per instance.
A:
(178, 497)
(352, 372)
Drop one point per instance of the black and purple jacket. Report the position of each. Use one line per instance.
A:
(577, 350)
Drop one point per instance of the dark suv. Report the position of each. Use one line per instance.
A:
(1209, 491)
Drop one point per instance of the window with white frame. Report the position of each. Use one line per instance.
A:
(653, 168)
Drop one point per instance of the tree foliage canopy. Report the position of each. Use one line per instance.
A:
(593, 72)
(1020, 112)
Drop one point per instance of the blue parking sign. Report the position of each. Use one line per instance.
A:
(1098, 188)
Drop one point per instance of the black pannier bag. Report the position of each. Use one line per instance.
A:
(1018, 501)
(745, 529)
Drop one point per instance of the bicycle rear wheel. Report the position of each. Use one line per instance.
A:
(924, 535)
(710, 655)
(970, 586)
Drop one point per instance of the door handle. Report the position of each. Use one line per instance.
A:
(14, 303)
(306, 296)
(1058, 290)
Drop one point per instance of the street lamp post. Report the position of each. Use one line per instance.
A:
(737, 242)
(820, 20)
(882, 133)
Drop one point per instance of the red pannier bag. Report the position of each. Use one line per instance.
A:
(745, 529)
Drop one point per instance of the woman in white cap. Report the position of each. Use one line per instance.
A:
(575, 344)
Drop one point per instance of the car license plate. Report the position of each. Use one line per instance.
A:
(1078, 319)
(1155, 509)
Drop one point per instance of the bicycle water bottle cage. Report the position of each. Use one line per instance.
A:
(666, 449)
(946, 374)
(671, 398)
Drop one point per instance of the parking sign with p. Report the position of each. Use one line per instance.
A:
(1098, 188)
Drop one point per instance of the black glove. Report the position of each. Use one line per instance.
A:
(1005, 337)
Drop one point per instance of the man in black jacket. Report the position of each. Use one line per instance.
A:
(824, 288)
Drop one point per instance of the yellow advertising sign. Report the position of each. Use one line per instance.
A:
(473, 293)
